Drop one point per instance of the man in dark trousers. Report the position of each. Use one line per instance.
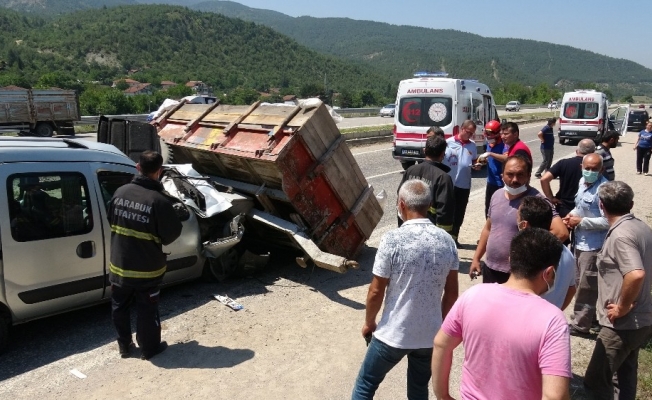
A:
(142, 221)
(569, 172)
(435, 174)
(547, 137)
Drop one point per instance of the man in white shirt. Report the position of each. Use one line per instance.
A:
(415, 272)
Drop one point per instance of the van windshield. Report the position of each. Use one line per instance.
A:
(425, 111)
(577, 110)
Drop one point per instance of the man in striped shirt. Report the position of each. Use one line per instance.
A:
(609, 141)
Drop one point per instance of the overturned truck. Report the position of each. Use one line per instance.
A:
(285, 169)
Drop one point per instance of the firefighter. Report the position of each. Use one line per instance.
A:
(142, 221)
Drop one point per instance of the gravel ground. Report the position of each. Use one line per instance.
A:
(297, 337)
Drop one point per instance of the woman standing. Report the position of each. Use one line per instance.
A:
(643, 147)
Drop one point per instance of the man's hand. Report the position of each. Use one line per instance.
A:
(555, 201)
(368, 329)
(475, 270)
(615, 311)
(571, 221)
(484, 156)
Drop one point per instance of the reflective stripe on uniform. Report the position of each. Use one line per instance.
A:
(126, 273)
(447, 228)
(133, 233)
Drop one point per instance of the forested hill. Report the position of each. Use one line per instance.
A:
(400, 50)
(55, 7)
(170, 43)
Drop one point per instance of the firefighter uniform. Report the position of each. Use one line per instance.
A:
(142, 221)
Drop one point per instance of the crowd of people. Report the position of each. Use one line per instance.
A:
(535, 254)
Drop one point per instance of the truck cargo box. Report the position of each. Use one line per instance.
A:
(292, 160)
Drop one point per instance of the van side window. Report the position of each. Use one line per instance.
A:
(110, 181)
(48, 205)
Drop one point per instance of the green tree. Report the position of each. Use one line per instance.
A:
(122, 85)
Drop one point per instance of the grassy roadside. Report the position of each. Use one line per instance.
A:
(344, 131)
(529, 116)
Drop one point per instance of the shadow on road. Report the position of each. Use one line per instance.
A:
(193, 355)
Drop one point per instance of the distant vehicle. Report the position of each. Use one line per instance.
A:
(38, 112)
(513, 106)
(637, 120)
(553, 105)
(200, 99)
(584, 115)
(432, 99)
(641, 106)
(388, 110)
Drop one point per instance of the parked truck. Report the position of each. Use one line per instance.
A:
(38, 112)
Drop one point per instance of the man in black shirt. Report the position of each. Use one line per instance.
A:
(435, 174)
(569, 172)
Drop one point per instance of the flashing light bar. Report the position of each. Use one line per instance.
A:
(426, 74)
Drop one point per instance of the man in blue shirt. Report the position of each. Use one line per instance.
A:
(494, 167)
(590, 232)
(547, 138)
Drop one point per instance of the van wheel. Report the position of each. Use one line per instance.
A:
(43, 129)
(407, 164)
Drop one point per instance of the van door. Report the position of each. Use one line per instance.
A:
(619, 119)
(53, 246)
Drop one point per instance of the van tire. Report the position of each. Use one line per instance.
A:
(43, 129)
(407, 164)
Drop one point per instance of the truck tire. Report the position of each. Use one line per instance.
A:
(407, 164)
(4, 334)
(43, 129)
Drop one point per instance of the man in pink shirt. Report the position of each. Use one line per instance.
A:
(516, 344)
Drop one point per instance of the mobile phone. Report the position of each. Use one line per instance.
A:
(367, 338)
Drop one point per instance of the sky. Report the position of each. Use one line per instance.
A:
(604, 27)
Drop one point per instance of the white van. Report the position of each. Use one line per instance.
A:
(431, 99)
(584, 115)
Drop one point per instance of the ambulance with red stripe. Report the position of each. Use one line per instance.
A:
(433, 99)
(583, 114)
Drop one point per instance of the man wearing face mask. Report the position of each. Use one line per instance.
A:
(536, 212)
(142, 221)
(516, 343)
(500, 226)
(590, 231)
(624, 302)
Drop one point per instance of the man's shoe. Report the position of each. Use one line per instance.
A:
(126, 350)
(160, 349)
(575, 331)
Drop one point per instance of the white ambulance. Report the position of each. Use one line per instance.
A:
(432, 99)
(583, 114)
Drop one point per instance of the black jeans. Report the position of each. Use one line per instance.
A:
(643, 160)
(461, 200)
(492, 276)
(148, 326)
(491, 189)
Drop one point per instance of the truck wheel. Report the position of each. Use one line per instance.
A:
(407, 164)
(218, 269)
(43, 129)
